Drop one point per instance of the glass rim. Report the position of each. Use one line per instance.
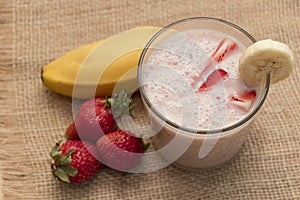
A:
(248, 117)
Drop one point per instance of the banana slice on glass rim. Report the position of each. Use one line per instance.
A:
(266, 56)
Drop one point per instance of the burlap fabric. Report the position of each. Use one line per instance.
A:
(35, 32)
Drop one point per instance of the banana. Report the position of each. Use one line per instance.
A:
(96, 68)
(266, 56)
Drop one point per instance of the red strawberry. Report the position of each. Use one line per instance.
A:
(244, 101)
(71, 132)
(120, 150)
(75, 161)
(216, 76)
(224, 47)
(97, 116)
(94, 119)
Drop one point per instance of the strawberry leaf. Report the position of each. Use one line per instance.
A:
(55, 155)
(55, 151)
(146, 146)
(121, 104)
(70, 152)
(66, 159)
(71, 171)
(62, 175)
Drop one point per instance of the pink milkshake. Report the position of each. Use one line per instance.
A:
(191, 88)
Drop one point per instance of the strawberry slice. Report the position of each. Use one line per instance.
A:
(216, 76)
(244, 101)
(224, 47)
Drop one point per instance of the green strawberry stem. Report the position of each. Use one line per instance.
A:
(119, 103)
(146, 146)
(61, 163)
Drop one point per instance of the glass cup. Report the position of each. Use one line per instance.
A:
(182, 146)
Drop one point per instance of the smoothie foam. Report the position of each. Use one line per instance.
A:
(177, 68)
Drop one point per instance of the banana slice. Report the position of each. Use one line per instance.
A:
(266, 56)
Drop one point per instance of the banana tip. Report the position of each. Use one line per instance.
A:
(42, 78)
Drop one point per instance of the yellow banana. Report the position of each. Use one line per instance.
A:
(94, 69)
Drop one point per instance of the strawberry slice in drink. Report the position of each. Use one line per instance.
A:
(244, 101)
(225, 46)
(215, 77)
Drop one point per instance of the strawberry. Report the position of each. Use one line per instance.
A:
(97, 116)
(94, 119)
(215, 77)
(225, 46)
(71, 132)
(120, 150)
(74, 161)
(244, 101)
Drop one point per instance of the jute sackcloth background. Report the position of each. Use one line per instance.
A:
(35, 32)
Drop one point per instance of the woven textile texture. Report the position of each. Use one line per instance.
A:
(32, 118)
